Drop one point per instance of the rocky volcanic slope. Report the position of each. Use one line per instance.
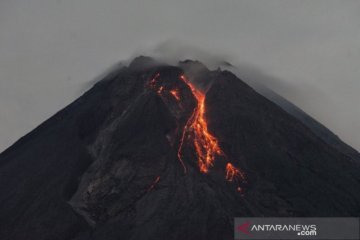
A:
(116, 163)
(320, 130)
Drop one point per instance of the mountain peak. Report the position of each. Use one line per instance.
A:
(143, 62)
(169, 152)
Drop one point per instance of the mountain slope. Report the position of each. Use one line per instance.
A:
(320, 130)
(125, 161)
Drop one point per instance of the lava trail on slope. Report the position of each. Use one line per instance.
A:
(106, 167)
(196, 130)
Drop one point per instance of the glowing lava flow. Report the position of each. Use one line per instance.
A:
(206, 145)
(157, 179)
(175, 93)
(232, 173)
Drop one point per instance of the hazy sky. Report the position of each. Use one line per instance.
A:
(51, 49)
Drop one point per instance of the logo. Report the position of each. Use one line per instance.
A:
(244, 228)
(297, 228)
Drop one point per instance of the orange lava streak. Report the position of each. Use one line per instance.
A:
(232, 173)
(160, 90)
(206, 145)
(153, 80)
(176, 94)
(154, 183)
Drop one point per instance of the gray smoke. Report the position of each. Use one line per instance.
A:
(308, 51)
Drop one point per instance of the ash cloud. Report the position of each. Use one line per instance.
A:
(308, 51)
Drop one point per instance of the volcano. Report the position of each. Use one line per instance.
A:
(158, 151)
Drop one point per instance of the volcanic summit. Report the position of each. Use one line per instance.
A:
(158, 151)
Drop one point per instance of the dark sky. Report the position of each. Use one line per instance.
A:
(51, 49)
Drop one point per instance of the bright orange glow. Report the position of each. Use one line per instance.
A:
(233, 174)
(153, 80)
(196, 130)
(206, 145)
(176, 94)
(160, 90)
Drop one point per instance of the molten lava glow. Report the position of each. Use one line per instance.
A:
(160, 90)
(232, 173)
(154, 184)
(152, 82)
(176, 94)
(196, 130)
(206, 145)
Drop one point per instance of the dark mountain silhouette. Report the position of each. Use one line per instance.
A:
(169, 152)
(320, 130)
